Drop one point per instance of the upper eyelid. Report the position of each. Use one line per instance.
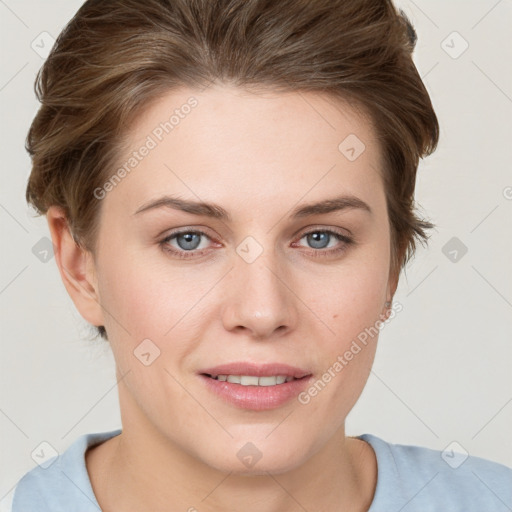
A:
(314, 228)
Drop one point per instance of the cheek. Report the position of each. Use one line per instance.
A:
(351, 306)
(141, 299)
(353, 299)
(156, 309)
(127, 297)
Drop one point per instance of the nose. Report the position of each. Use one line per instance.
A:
(259, 298)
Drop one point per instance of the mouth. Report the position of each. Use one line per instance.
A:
(254, 380)
(255, 387)
(253, 374)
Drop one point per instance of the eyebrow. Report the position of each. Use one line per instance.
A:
(217, 212)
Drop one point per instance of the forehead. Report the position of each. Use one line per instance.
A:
(230, 144)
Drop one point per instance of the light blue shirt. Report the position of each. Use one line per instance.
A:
(410, 479)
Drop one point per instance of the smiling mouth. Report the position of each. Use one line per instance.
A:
(253, 380)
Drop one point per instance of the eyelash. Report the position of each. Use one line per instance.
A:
(347, 241)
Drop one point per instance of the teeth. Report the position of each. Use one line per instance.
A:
(252, 380)
(247, 380)
(269, 381)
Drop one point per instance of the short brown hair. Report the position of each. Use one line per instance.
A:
(114, 57)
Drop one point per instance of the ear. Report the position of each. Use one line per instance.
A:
(76, 267)
(392, 284)
(390, 293)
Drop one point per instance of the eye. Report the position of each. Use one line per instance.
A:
(188, 243)
(191, 243)
(326, 242)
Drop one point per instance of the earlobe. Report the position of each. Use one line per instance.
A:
(76, 267)
(390, 293)
(386, 311)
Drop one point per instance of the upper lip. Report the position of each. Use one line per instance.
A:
(257, 370)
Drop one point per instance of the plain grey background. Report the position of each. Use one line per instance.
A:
(442, 370)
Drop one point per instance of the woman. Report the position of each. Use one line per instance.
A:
(229, 188)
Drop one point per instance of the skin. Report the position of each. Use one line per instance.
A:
(258, 156)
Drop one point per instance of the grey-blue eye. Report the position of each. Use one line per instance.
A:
(190, 240)
(319, 239)
(186, 241)
(323, 242)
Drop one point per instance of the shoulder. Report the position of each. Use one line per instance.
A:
(417, 478)
(61, 482)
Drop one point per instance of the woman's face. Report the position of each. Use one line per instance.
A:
(261, 284)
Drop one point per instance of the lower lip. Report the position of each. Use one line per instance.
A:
(256, 398)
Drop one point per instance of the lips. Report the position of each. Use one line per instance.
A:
(255, 387)
(256, 370)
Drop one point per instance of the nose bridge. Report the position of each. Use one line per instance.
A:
(258, 298)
